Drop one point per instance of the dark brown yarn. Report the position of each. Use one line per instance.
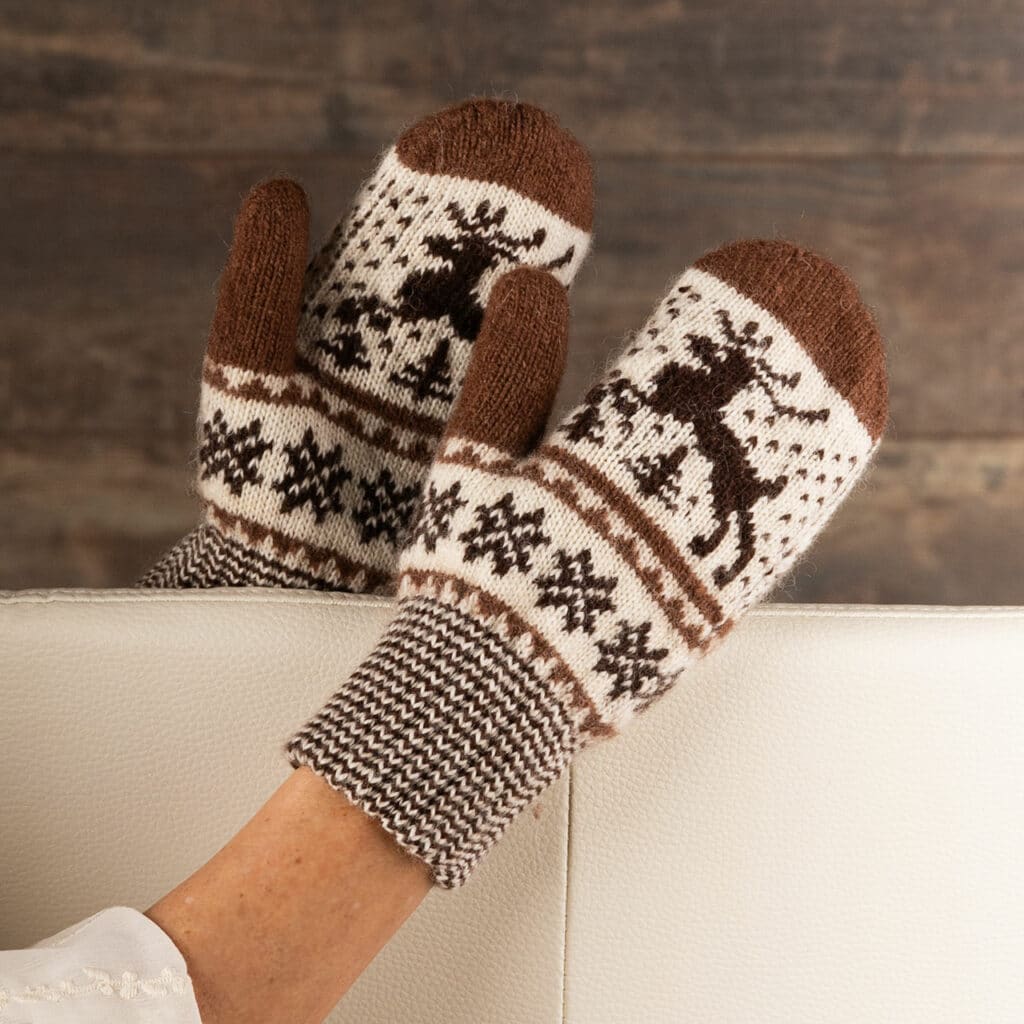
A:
(257, 315)
(516, 364)
(821, 307)
(512, 144)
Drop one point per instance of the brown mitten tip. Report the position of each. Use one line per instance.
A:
(820, 306)
(257, 313)
(512, 144)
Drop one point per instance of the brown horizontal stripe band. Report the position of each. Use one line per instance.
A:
(384, 439)
(431, 582)
(598, 522)
(654, 537)
(376, 581)
(394, 413)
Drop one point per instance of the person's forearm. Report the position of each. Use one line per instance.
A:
(279, 924)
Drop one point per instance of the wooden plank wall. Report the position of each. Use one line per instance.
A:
(889, 133)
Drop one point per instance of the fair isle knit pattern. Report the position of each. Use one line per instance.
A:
(316, 466)
(611, 558)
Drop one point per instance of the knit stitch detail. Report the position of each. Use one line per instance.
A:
(444, 735)
(672, 499)
(606, 560)
(206, 558)
(320, 413)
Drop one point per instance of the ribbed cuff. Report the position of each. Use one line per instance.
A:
(206, 558)
(444, 734)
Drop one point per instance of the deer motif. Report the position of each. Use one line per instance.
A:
(451, 290)
(699, 396)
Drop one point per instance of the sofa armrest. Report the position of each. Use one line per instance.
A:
(823, 823)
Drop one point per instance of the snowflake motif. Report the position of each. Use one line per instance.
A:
(386, 509)
(313, 478)
(439, 508)
(575, 588)
(505, 534)
(632, 663)
(234, 455)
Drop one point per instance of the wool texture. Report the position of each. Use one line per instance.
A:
(593, 569)
(325, 394)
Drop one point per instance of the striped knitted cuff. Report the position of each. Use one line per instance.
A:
(206, 558)
(444, 734)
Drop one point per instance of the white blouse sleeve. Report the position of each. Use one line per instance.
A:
(116, 967)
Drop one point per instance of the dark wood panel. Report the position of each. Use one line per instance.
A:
(93, 515)
(648, 77)
(888, 135)
(110, 263)
(934, 522)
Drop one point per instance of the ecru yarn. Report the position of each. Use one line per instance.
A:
(612, 557)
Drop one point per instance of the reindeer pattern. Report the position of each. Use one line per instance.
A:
(671, 499)
(412, 269)
(724, 393)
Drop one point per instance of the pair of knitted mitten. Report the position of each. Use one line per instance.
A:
(326, 390)
(549, 589)
(552, 591)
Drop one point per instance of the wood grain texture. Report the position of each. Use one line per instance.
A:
(889, 135)
(654, 76)
(88, 515)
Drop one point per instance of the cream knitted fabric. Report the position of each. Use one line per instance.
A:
(550, 596)
(314, 445)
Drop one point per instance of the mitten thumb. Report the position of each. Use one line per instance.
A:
(257, 315)
(516, 364)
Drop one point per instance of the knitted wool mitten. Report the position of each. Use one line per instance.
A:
(322, 405)
(551, 594)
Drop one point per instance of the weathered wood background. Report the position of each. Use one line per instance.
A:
(889, 133)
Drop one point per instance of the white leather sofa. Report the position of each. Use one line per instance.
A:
(826, 823)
